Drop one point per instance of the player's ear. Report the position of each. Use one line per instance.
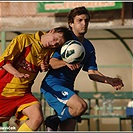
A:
(71, 24)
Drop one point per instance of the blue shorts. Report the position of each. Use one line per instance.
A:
(56, 96)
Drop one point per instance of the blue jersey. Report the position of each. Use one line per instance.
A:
(66, 77)
(58, 85)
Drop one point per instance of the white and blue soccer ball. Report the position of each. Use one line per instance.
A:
(72, 52)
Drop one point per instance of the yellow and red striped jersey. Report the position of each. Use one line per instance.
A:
(25, 52)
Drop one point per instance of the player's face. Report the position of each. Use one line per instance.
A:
(80, 24)
(53, 40)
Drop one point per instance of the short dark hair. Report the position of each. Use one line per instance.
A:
(77, 11)
(67, 34)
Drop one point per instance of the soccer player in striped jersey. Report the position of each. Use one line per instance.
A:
(19, 66)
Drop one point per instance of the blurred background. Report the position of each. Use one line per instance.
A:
(110, 31)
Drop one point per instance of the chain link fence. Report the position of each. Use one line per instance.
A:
(24, 16)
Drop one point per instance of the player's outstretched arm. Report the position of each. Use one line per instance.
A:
(97, 76)
(12, 70)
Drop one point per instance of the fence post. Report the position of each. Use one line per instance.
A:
(3, 40)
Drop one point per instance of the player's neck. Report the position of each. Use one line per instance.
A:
(80, 38)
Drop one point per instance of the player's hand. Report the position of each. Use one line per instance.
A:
(21, 75)
(117, 83)
(45, 64)
(73, 66)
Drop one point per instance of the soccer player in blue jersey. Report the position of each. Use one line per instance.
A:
(58, 85)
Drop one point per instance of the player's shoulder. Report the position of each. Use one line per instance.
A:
(88, 43)
(23, 36)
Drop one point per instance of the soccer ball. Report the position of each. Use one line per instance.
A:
(72, 52)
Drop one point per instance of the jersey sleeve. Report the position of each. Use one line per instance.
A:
(13, 50)
(91, 64)
(90, 61)
(57, 54)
